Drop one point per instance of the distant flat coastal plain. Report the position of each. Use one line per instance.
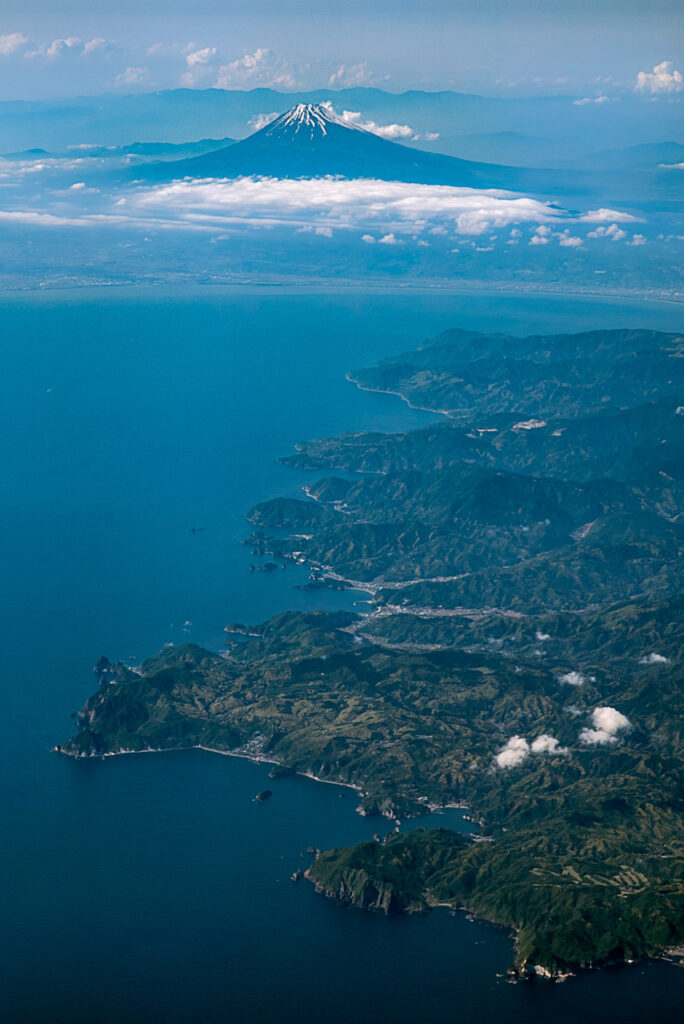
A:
(522, 652)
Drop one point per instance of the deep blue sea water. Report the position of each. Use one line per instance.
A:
(151, 888)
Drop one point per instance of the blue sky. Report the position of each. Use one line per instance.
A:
(494, 47)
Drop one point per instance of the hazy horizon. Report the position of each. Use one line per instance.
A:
(603, 49)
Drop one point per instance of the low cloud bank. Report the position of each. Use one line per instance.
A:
(395, 205)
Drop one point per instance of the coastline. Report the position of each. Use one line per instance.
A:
(254, 758)
(259, 758)
(444, 286)
(431, 808)
(397, 394)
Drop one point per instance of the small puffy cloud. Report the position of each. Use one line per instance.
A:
(654, 659)
(610, 719)
(83, 189)
(612, 231)
(607, 722)
(368, 239)
(261, 68)
(514, 753)
(590, 99)
(546, 744)
(203, 56)
(59, 46)
(573, 678)
(10, 42)
(349, 75)
(95, 45)
(569, 241)
(542, 636)
(260, 121)
(133, 76)
(389, 239)
(604, 214)
(199, 65)
(541, 236)
(637, 239)
(323, 231)
(663, 79)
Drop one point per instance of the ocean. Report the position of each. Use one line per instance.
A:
(137, 428)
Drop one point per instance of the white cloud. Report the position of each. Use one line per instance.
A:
(605, 214)
(546, 744)
(612, 231)
(59, 46)
(607, 722)
(199, 65)
(637, 239)
(10, 42)
(133, 76)
(200, 56)
(393, 132)
(94, 45)
(349, 75)
(541, 236)
(389, 239)
(654, 659)
(260, 121)
(590, 99)
(384, 207)
(368, 239)
(41, 219)
(573, 678)
(514, 753)
(663, 79)
(542, 636)
(570, 241)
(261, 68)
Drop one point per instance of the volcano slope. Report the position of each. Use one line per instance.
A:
(523, 655)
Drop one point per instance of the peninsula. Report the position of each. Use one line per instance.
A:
(523, 654)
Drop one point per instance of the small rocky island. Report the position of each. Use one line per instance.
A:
(522, 651)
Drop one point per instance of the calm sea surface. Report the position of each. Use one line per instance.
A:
(151, 888)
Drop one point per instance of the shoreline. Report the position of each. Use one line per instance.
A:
(432, 808)
(398, 394)
(439, 286)
(253, 758)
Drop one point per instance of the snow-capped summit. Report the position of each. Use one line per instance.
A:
(309, 119)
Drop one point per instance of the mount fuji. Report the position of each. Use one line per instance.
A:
(311, 141)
